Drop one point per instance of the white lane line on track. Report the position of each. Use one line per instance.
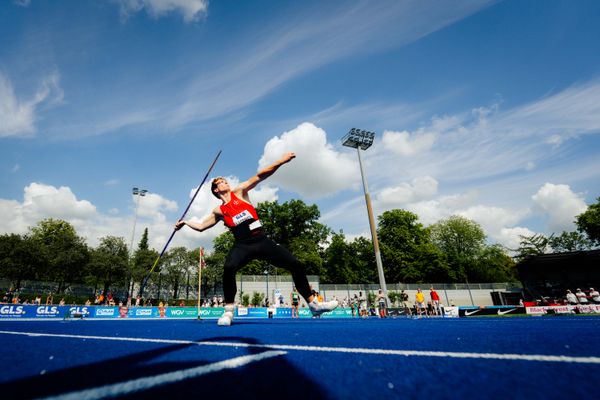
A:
(136, 385)
(284, 347)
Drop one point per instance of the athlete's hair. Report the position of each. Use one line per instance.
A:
(213, 185)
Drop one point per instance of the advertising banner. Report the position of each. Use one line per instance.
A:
(105, 312)
(182, 312)
(490, 310)
(338, 313)
(566, 309)
(211, 313)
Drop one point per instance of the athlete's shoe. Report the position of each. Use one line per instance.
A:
(227, 317)
(317, 308)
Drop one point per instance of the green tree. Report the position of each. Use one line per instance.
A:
(295, 225)
(531, 246)
(363, 262)
(63, 252)
(143, 260)
(588, 222)
(494, 265)
(339, 261)
(175, 266)
(108, 263)
(407, 252)
(19, 258)
(462, 241)
(569, 241)
(349, 262)
(257, 299)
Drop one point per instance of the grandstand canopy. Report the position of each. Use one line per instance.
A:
(550, 275)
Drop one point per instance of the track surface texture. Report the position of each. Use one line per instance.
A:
(516, 357)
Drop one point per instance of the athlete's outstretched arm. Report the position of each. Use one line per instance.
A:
(264, 173)
(207, 223)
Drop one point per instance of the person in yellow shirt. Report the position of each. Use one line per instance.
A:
(420, 302)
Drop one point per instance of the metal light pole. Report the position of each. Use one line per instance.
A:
(267, 275)
(139, 193)
(362, 140)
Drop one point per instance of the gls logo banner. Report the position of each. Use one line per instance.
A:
(46, 311)
(79, 310)
(12, 311)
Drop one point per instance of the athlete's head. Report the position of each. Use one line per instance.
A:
(215, 184)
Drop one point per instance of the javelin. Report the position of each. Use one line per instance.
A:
(175, 230)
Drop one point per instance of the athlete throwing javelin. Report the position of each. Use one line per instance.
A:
(239, 215)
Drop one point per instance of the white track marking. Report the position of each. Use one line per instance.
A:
(284, 347)
(136, 385)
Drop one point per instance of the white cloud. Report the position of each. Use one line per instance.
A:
(18, 116)
(42, 201)
(318, 169)
(419, 189)
(190, 10)
(154, 206)
(560, 205)
(511, 237)
(406, 144)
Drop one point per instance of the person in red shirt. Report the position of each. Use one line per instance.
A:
(240, 216)
(435, 301)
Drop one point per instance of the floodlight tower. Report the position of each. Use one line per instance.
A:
(139, 193)
(362, 140)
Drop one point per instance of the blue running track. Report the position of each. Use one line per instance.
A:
(516, 357)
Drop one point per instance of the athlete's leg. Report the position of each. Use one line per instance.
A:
(238, 256)
(281, 257)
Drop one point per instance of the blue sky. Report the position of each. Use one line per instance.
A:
(489, 110)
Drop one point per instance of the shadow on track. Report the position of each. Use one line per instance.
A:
(265, 377)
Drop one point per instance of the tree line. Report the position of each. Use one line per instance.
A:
(452, 250)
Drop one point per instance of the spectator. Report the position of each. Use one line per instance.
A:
(594, 296)
(362, 305)
(571, 298)
(581, 297)
(354, 305)
(49, 299)
(62, 302)
(38, 300)
(435, 301)
(382, 305)
(88, 302)
(295, 299)
(420, 302)
(10, 294)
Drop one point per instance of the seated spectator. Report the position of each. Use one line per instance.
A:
(49, 299)
(62, 302)
(581, 297)
(595, 296)
(571, 298)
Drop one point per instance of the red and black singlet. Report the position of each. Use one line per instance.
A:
(241, 218)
